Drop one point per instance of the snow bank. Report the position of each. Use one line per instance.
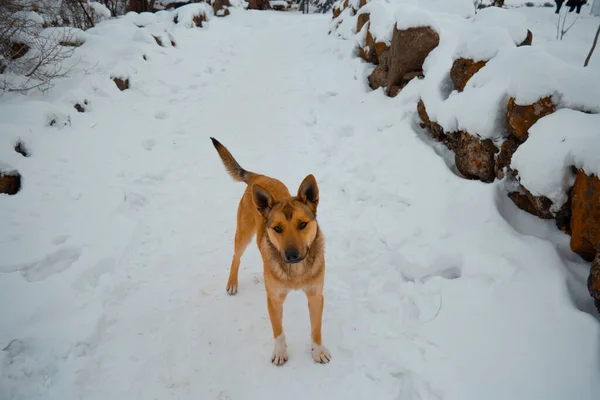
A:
(186, 14)
(556, 142)
(525, 73)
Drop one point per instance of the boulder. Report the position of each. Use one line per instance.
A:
(199, 19)
(10, 182)
(585, 219)
(408, 51)
(462, 70)
(435, 130)
(475, 158)
(528, 39)
(361, 21)
(535, 205)
(220, 7)
(520, 118)
(378, 77)
(372, 50)
(336, 12)
(593, 282)
(259, 5)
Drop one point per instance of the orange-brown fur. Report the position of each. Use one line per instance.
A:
(290, 243)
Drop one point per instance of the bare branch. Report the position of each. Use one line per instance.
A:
(594, 43)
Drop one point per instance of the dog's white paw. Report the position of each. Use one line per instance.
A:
(232, 289)
(320, 354)
(280, 355)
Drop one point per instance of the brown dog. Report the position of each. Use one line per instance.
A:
(290, 243)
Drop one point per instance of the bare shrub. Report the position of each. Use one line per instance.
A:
(31, 57)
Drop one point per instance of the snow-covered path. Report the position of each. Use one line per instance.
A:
(436, 288)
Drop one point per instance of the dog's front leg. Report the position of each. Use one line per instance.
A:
(275, 305)
(315, 308)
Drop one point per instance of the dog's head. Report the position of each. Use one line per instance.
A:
(291, 223)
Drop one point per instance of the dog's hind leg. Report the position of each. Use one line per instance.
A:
(243, 235)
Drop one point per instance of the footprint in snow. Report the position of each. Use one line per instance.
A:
(346, 131)
(60, 240)
(148, 144)
(161, 115)
(91, 277)
(451, 269)
(54, 263)
(414, 387)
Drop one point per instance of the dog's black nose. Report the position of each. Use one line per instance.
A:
(292, 255)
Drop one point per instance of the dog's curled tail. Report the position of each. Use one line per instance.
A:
(234, 169)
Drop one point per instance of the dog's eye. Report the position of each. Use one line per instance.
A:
(302, 225)
(278, 229)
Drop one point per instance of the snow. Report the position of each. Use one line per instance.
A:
(115, 253)
(186, 13)
(509, 20)
(568, 138)
(101, 12)
(595, 8)
(413, 17)
(483, 44)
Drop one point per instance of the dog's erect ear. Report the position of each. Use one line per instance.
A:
(262, 199)
(308, 193)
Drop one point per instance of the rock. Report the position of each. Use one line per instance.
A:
(122, 84)
(18, 50)
(10, 182)
(585, 219)
(259, 5)
(507, 150)
(175, 5)
(535, 205)
(380, 49)
(158, 41)
(528, 39)
(520, 118)
(475, 158)
(220, 7)
(361, 21)
(593, 282)
(563, 216)
(435, 129)
(378, 77)
(199, 19)
(336, 12)
(408, 51)
(497, 3)
(462, 70)
(21, 149)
